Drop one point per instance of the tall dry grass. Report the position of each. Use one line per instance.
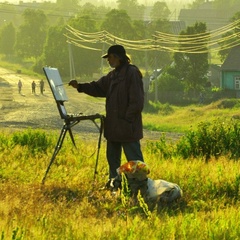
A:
(70, 205)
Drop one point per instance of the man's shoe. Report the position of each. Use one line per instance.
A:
(113, 184)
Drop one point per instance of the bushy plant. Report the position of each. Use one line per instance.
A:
(215, 139)
(210, 139)
(157, 107)
(35, 140)
(229, 103)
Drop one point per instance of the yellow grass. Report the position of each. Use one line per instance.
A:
(70, 205)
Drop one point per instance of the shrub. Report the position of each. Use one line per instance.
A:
(211, 139)
(157, 107)
(35, 140)
(228, 103)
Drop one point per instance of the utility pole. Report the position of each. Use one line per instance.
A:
(103, 51)
(71, 62)
(155, 63)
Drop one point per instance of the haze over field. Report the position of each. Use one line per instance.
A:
(174, 5)
(145, 2)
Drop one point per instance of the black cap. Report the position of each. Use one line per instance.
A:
(116, 50)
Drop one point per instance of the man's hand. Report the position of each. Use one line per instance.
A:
(73, 83)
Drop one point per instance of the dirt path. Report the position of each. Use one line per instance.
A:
(38, 110)
(21, 111)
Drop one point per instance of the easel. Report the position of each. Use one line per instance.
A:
(56, 85)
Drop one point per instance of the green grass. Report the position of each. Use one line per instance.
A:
(181, 119)
(70, 205)
(24, 67)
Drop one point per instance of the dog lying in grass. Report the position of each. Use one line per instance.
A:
(154, 192)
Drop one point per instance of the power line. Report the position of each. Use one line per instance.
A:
(160, 41)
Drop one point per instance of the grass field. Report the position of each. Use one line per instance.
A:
(181, 119)
(70, 205)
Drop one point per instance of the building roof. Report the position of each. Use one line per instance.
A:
(232, 62)
(214, 19)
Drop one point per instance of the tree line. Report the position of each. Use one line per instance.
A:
(41, 39)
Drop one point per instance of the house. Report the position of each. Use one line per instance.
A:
(230, 71)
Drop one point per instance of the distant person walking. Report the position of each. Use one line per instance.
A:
(41, 86)
(33, 87)
(19, 86)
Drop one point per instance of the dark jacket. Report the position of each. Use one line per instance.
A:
(123, 89)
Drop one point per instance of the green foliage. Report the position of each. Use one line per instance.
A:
(7, 39)
(118, 23)
(160, 148)
(67, 5)
(170, 87)
(133, 9)
(192, 68)
(169, 81)
(210, 139)
(55, 52)
(160, 10)
(160, 108)
(228, 103)
(70, 203)
(33, 39)
(89, 63)
(36, 141)
(31, 34)
(213, 140)
(4, 140)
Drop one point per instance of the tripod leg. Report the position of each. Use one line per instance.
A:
(57, 148)
(99, 146)
(71, 135)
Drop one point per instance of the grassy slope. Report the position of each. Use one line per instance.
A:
(71, 206)
(184, 118)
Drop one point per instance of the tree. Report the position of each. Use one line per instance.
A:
(160, 10)
(88, 61)
(84, 22)
(133, 9)
(31, 34)
(170, 88)
(55, 51)
(118, 23)
(9, 13)
(68, 5)
(7, 39)
(192, 67)
(158, 59)
(92, 10)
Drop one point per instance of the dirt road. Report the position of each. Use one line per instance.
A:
(21, 111)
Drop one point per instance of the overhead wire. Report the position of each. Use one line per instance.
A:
(160, 41)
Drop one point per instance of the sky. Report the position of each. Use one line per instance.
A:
(145, 2)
